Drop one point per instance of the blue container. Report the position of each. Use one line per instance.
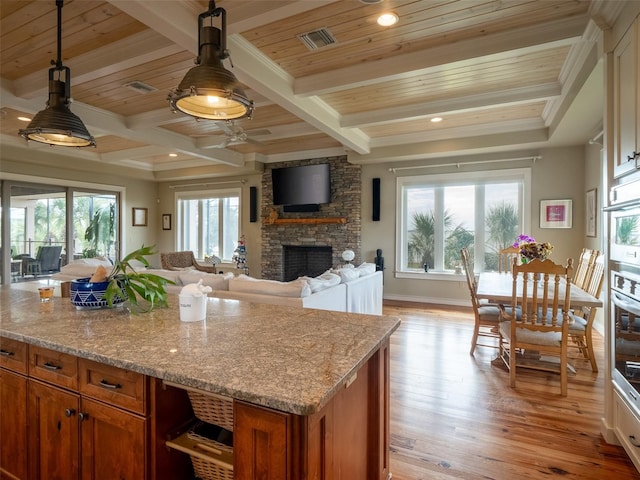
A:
(86, 294)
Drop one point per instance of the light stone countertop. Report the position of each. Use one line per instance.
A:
(286, 358)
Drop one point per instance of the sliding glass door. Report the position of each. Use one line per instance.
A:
(82, 222)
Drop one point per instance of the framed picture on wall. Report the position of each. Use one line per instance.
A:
(556, 213)
(139, 217)
(166, 221)
(591, 212)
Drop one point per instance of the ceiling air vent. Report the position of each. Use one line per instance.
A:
(140, 87)
(317, 38)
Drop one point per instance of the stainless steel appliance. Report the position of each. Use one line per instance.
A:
(625, 311)
(625, 223)
(624, 288)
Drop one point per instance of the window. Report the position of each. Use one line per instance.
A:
(440, 214)
(209, 223)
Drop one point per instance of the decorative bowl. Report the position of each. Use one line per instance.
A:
(86, 294)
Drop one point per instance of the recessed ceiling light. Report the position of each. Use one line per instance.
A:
(387, 19)
(24, 119)
(173, 154)
(436, 119)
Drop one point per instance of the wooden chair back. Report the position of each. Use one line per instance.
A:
(583, 269)
(539, 315)
(506, 257)
(538, 288)
(468, 270)
(595, 275)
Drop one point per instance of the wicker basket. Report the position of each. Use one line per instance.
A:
(212, 408)
(209, 463)
(197, 435)
(210, 471)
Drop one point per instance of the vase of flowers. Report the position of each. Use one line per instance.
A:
(530, 249)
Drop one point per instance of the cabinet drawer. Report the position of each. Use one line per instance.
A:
(627, 427)
(54, 367)
(13, 355)
(114, 385)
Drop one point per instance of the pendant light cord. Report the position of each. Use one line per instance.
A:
(58, 62)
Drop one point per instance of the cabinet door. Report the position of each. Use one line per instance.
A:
(261, 444)
(113, 443)
(13, 425)
(626, 102)
(53, 432)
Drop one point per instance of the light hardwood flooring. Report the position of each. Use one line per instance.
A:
(454, 415)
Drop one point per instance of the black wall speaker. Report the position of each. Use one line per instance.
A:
(376, 199)
(253, 204)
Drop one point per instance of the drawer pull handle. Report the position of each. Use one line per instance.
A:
(633, 441)
(83, 416)
(105, 384)
(6, 353)
(51, 366)
(69, 412)
(208, 448)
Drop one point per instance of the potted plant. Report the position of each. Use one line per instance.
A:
(143, 290)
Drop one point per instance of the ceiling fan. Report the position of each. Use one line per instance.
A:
(236, 135)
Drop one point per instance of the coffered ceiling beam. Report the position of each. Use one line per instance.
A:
(500, 142)
(254, 68)
(178, 22)
(99, 121)
(555, 33)
(140, 48)
(458, 105)
(507, 126)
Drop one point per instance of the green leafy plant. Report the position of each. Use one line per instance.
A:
(144, 290)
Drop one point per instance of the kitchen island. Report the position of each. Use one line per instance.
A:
(310, 388)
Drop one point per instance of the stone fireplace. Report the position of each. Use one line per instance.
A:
(302, 260)
(337, 237)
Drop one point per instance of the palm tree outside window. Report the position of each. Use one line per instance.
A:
(440, 214)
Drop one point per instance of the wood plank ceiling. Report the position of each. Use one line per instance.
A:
(488, 68)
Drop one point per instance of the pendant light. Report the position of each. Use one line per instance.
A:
(209, 90)
(56, 124)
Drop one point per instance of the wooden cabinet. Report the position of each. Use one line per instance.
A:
(13, 418)
(54, 440)
(114, 443)
(627, 427)
(626, 106)
(347, 438)
(13, 408)
(80, 426)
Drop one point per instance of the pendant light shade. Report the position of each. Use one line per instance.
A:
(209, 90)
(56, 124)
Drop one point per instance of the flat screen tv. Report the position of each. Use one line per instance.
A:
(304, 185)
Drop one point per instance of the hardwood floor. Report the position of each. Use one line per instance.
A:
(454, 415)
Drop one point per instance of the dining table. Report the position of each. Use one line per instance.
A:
(497, 287)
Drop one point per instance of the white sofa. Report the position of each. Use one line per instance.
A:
(358, 290)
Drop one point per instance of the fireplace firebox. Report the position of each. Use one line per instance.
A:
(305, 260)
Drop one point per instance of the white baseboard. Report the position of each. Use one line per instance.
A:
(423, 299)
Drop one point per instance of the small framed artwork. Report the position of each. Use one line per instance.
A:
(139, 217)
(556, 213)
(166, 221)
(591, 212)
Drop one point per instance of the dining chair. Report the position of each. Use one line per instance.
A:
(581, 330)
(582, 270)
(538, 319)
(486, 315)
(506, 257)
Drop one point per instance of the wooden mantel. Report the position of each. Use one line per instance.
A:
(273, 219)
